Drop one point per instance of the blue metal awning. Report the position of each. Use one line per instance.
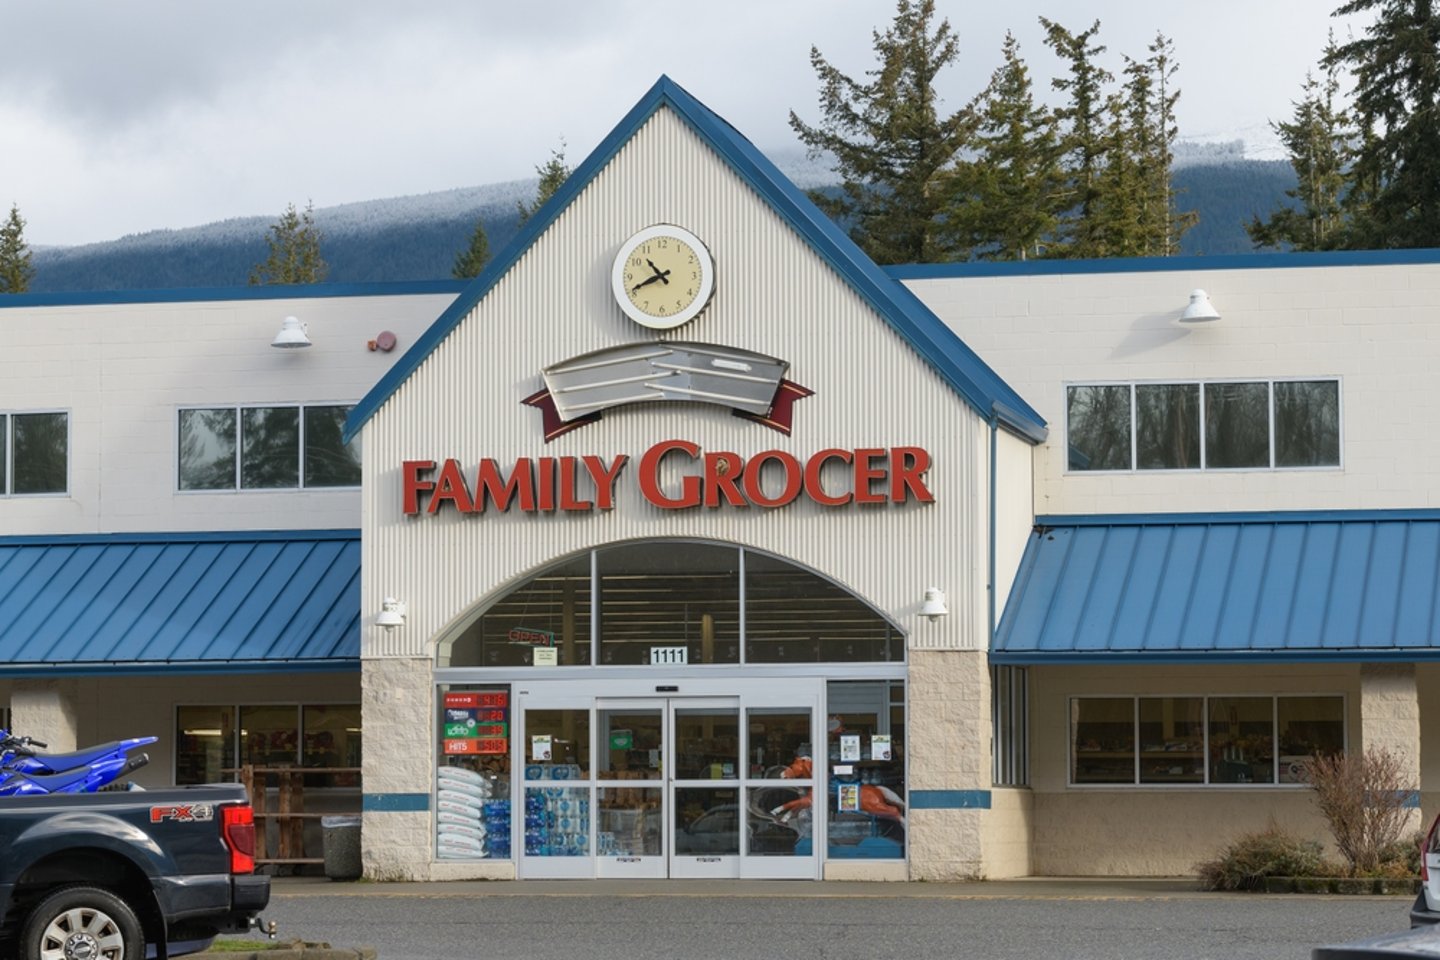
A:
(180, 602)
(1332, 585)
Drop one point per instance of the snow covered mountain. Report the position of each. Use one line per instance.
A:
(417, 237)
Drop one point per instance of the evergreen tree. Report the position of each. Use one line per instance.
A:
(1087, 121)
(15, 268)
(889, 142)
(1396, 66)
(1319, 141)
(1003, 198)
(470, 261)
(553, 173)
(1165, 223)
(294, 257)
(1116, 226)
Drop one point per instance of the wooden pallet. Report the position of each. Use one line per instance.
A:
(289, 810)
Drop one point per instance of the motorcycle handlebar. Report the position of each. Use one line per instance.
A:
(21, 745)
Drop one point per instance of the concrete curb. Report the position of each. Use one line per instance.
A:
(300, 951)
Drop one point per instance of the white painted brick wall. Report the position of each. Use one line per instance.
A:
(123, 370)
(1374, 327)
(47, 711)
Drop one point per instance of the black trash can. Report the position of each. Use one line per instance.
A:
(340, 837)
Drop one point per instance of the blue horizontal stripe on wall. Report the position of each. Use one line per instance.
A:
(395, 802)
(948, 799)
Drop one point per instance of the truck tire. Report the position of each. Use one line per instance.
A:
(82, 923)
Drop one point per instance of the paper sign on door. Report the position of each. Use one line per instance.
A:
(540, 749)
(849, 747)
(880, 747)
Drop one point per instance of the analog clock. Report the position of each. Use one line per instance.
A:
(663, 277)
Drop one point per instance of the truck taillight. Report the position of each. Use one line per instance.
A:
(237, 828)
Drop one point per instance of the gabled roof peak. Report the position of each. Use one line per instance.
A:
(936, 343)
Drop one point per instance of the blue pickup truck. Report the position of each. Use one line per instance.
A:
(119, 876)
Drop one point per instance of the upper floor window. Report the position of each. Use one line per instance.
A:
(266, 448)
(34, 453)
(1224, 425)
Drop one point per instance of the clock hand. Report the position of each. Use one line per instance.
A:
(663, 275)
(649, 280)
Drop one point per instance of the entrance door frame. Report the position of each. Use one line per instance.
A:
(595, 694)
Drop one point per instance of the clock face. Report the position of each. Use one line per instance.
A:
(663, 277)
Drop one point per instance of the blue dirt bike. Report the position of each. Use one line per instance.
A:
(23, 772)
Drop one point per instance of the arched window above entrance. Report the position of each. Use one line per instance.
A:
(674, 602)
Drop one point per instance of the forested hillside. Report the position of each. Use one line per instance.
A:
(417, 238)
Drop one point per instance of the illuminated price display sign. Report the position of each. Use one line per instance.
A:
(474, 747)
(470, 700)
(476, 722)
(473, 730)
(477, 716)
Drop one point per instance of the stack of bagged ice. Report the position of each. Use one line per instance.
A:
(459, 814)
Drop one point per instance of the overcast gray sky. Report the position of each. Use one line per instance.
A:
(121, 117)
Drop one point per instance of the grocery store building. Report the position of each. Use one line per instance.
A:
(687, 542)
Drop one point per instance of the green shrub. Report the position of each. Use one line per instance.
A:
(1402, 858)
(1245, 864)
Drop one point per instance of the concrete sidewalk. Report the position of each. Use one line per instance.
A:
(1037, 888)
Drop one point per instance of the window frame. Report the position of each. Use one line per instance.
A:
(7, 453)
(236, 486)
(593, 629)
(1201, 384)
(1135, 782)
(299, 706)
(1010, 725)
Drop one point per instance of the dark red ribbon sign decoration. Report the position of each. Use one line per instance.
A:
(778, 418)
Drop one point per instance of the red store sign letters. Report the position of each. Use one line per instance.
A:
(770, 479)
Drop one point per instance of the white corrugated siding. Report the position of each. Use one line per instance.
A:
(775, 296)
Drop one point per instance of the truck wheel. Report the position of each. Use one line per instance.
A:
(82, 923)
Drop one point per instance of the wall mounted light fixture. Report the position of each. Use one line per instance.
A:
(392, 614)
(934, 606)
(292, 335)
(1199, 309)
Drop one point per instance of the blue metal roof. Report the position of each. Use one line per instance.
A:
(1230, 261)
(1333, 585)
(167, 602)
(956, 363)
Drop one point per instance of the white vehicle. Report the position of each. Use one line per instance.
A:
(1427, 906)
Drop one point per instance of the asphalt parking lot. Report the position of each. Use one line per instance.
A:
(676, 920)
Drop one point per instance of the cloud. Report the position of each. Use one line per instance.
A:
(168, 113)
